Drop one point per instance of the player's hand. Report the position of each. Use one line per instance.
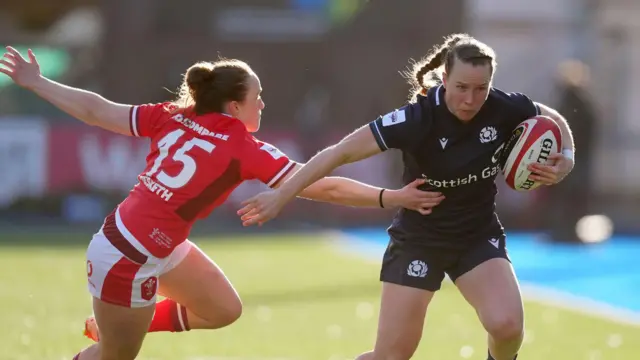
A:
(412, 198)
(262, 207)
(22, 71)
(557, 168)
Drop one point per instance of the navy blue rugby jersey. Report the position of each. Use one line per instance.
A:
(461, 160)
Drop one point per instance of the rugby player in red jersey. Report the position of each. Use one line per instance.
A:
(201, 150)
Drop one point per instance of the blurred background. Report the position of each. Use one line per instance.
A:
(327, 67)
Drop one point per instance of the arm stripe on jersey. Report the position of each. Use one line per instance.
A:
(133, 121)
(378, 136)
(282, 173)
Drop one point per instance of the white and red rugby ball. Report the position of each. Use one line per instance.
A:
(533, 140)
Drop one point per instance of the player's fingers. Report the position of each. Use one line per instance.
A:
(6, 72)
(536, 167)
(428, 194)
(246, 209)
(250, 201)
(9, 66)
(10, 57)
(428, 205)
(547, 183)
(540, 176)
(32, 57)
(424, 211)
(546, 173)
(547, 180)
(543, 169)
(243, 211)
(417, 182)
(254, 206)
(555, 156)
(421, 207)
(437, 200)
(252, 213)
(256, 220)
(16, 53)
(432, 199)
(250, 222)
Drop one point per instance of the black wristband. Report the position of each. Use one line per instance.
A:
(380, 198)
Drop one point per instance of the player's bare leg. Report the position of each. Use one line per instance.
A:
(402, 313)
(198, 296)
(492, 289)
(200, 286)
(122, 331)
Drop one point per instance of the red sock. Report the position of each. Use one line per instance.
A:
(169, 316)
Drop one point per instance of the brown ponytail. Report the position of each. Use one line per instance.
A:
(428, 72)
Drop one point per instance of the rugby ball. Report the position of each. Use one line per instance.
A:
(533, 140)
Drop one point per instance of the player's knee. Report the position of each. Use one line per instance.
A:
(220, 314)
(231, 312)
(505, 327)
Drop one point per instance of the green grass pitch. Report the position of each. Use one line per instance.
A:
(304, 299)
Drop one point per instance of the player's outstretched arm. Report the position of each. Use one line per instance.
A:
(356, 146)
(84, 105)
(359, 145)
(349, 192)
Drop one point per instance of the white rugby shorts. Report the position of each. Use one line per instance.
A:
(129, 281)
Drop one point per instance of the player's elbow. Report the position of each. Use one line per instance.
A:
(550, 112)
(557, 117)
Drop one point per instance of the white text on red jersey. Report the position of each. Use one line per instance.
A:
(156, 188)
(190, 124)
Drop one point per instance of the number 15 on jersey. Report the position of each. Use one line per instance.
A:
(180, 155)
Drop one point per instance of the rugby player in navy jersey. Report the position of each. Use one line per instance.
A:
(451, 133)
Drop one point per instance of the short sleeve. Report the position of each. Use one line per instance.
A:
(265, 162)
(524, 107)
(144, 119)
(400, 129)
